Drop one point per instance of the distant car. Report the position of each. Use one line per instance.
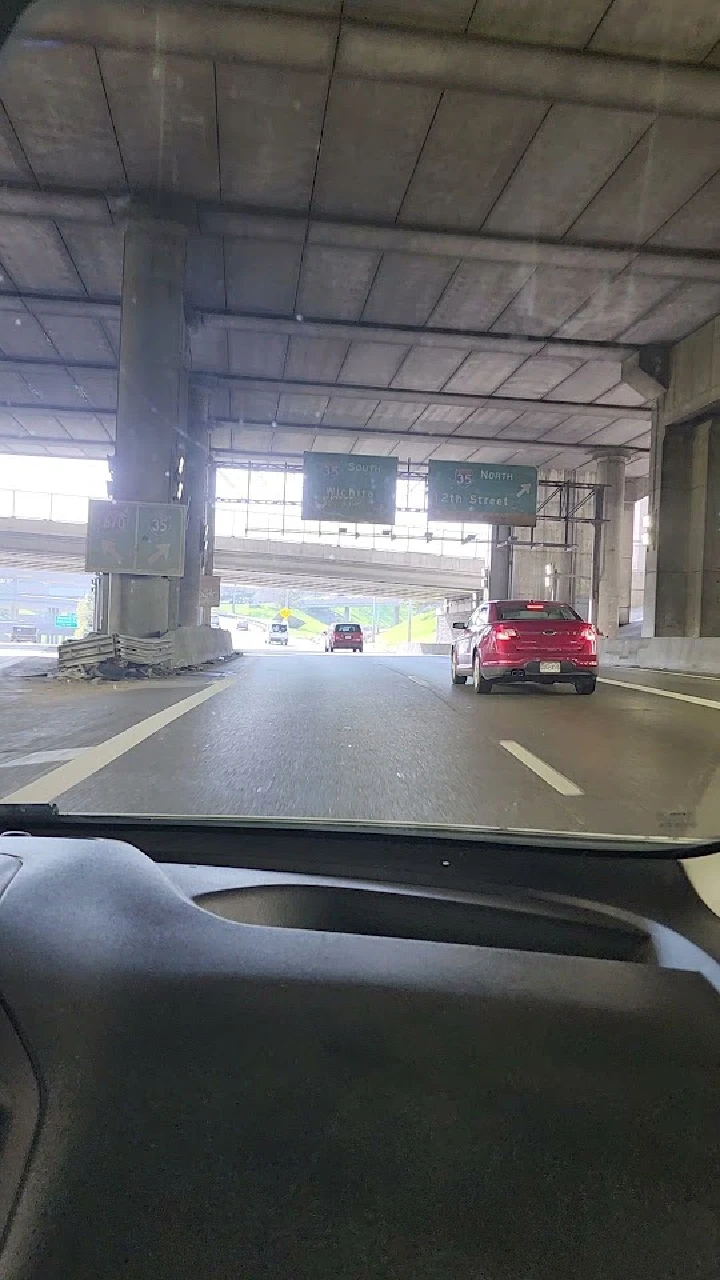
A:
(24, 635)
(242, 624)
(524, 641)
(345, 635)
(277, 633)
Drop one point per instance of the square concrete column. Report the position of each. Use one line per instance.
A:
(626, 562)
(683, 563)
(209, 555)
(710, 588)
(195, 487)
(611, 474)
(500, 577)
(152, 400)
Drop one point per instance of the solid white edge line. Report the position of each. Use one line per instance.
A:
(556, 780)
(662, 693)
(51, 785)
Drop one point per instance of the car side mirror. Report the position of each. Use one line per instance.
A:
(459, 626)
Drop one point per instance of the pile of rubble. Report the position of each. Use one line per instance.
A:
(103, 657)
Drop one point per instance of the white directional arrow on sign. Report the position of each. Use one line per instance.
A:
(161, 552)
(109, 549)
(524, 488)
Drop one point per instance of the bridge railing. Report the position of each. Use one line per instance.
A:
(237, 519)
(23, 504)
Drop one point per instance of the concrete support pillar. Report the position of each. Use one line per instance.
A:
(626, 562)
(611, 474)
(195, 480)
(209, 555)
(152, 400)
(101, 600)
(500, 578)
(682, 584)
(657, 437)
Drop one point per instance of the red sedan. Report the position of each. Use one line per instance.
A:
(519, 641)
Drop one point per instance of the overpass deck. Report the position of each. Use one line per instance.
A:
(42, 544)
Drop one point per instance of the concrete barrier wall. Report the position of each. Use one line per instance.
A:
(192, 646)
(663, 653)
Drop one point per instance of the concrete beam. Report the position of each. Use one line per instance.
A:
(53, 305)
(636, 487)
(509, 249)
(28, 202)
(211, 218)
(201, 31)
(105, 446)
(404, 336)
(457, 62)
(396, 54)
(647, 371)
(430, 437)
(398, 335)
(32, 366)
(279, 386)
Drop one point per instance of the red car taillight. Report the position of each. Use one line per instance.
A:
(590, 635)
(505, 633)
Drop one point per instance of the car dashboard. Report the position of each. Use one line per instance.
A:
(213, 1070)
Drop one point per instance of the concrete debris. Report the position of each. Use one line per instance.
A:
(114, 657)
(117, 657)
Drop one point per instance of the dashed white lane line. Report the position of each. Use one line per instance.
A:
(58, 781)
(662, 693)
(556, 780)
(424, 684)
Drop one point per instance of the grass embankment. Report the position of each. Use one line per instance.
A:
(424, 627)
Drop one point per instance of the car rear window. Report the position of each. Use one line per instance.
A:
(348, 626)
(520, 612)
(279, 626)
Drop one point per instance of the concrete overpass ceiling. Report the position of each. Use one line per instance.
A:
(432, 229)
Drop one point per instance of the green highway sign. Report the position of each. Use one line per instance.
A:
(66, 622)
(147, 539)
(111, 532)
(352, 487)
(161, 539)
(481, 493)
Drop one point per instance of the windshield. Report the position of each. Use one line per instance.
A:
(335, 340)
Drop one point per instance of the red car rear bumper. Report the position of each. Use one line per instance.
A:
(570, 669)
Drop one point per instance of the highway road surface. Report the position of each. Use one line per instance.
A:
(370, 738)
